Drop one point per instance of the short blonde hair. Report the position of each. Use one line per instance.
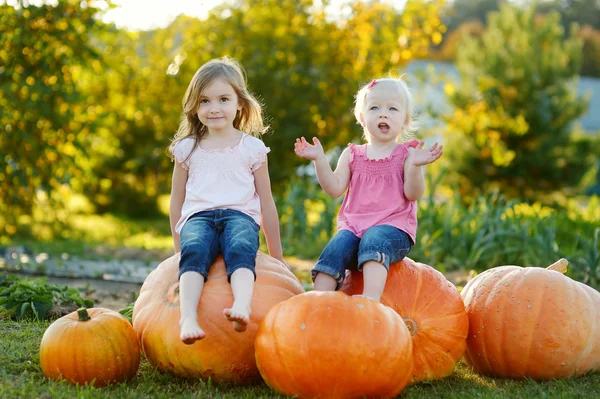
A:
(400, 85)
(250, 117)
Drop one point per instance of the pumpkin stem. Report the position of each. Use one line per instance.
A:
(559, 266)
(83, 314)
(411, 325)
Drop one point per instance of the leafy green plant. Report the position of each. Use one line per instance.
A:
(37, 299)
(127, 311)
(587, 267)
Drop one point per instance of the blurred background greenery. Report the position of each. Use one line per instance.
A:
(512, 89)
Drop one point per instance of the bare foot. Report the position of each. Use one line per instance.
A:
(239, 316)
(368, 297)
(190, 331)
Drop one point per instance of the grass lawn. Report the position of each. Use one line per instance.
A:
(21, 377)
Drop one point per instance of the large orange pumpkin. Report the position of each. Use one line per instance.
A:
(94, 345)
(532, 322)
(330, 345)
(225, 354)
(433, 311)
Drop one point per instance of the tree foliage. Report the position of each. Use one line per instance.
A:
(90, 108)
(515, 105)
(43, 51)
(467, 16)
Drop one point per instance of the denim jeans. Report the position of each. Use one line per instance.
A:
(208, 233)
(383, 244)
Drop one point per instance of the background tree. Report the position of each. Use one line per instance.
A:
(304, 66)
(582, 12)
(459, 11)
(43, 51)
(511, 128)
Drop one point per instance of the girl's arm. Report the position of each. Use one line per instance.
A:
(268, 211)
(180, 176)
(333, 183)
(414, 181)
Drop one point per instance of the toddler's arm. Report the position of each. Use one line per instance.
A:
(333, 183)
(414, 182)
(180, 176)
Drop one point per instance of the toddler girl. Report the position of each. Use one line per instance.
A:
(377, 223)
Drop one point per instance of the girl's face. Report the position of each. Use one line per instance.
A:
(219, 105)
(384, 115)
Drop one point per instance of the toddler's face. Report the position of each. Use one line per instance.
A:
(384, 114)
(219, 104)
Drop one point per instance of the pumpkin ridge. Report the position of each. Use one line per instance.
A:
(440, 334)
(505, 274)
(117, 346)
(278, 348)
(591, 340)
(484, 319)
(418, 288)
(120, 347)
(429, 304)
(444, 317)
(223, 329)
(125, 334)
(75, 353)
(538, 308)
(275, 288)
(102, 326)
(504, 337)
(447, 355)
(500, 357)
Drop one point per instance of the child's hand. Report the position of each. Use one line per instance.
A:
(305, 150)
(419, 156)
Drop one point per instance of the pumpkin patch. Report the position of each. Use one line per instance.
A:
(432, 310)
(225, 354)
(532, 322)
(96, 346)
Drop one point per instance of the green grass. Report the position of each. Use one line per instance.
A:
(21, 377)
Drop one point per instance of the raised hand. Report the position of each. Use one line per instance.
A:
(420, 156)
(303, 149)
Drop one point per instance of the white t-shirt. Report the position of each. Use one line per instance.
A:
(222, 178)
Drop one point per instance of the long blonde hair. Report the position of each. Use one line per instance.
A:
(249, 118)
(403, 91)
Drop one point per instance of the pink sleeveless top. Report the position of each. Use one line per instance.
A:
(375, 193)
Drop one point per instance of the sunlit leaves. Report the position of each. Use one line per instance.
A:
(92, 108)
(515, 106)
(41, 50)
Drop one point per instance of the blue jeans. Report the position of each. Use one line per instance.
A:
(208, 233)
(383, 244)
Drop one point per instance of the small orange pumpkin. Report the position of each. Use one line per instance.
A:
(433, 311)
(225, 354)
(330, 345)
(531, 322)
(96, 345)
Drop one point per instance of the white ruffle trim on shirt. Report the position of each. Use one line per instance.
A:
(181, 150)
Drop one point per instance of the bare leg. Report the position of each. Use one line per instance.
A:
(190, 290)
(242, 285)
(325, 282)
(374, 275)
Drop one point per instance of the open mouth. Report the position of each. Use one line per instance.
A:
(384, 127)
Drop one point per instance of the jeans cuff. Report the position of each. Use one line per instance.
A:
(191, 269)
(240, 266)
(375, 255)
(332, 271)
